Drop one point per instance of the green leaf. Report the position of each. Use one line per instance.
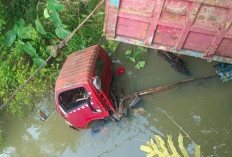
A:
(142, 64)
(101, 13)
(39, 61)
(2, 93)
(39, 26)
(16, 27)
(9, 38)
(64, 26)
(141, 49)
(132, 59)
(18, 31)
(29, 49)
(128, 58)
(51, 50)
(137, 54)
(53, 5)
(56, 18)
(28, 32)
(103, 46)
(83, 15)
(181, 146)
(21, 22)
(172, 147)
(197, 151)
(62, 33)
(128, 52)
(46, 14)
(113, 45)
(50, 35)
(137, 66)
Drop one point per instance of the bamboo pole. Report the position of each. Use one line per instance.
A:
(165, 87)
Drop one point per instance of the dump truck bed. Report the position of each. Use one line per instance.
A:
(199, 28)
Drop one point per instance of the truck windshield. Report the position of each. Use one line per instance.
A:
(72, 99)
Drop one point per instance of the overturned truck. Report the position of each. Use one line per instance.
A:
(82, 89)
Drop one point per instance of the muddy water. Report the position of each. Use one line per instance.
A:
(202, 108)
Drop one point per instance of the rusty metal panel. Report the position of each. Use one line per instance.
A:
(200, 28)
(78, 68)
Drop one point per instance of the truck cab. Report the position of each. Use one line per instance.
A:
(82, 90)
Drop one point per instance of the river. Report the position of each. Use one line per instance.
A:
(202, 108)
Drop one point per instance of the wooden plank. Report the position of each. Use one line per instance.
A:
(154, 22)
(220, 35)
(219, 3)
(228, 36)
(170, 24)
(112, 18)
(194, 10)
(203, 30)
(165, 87)
(133, 17)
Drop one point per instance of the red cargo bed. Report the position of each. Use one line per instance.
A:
(199, 28)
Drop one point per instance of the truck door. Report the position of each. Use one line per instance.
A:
(103, 69)
(79, 107)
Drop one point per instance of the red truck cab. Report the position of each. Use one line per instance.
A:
(80, 96)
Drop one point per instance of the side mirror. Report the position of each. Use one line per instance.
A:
(97, 82)
(42, 116)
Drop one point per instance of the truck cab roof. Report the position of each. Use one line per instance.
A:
(78, 68)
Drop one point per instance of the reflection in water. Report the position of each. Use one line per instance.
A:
(197, 119)
(34, 131)
(202, 108)
(8, 152)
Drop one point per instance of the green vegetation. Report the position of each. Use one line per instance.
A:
(160, 149)
(137, 56)
(29, 30)
(111, 46)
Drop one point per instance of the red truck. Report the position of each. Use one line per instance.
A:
(82, 91)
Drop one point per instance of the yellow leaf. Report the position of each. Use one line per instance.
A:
(197, 151)
(149, 144)
(160, 142)
(172, 147)
(153, 154)
(153, 144)
(146, 149)
(181, 146)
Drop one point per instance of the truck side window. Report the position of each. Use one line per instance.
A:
(99, 66)
(72, 99)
